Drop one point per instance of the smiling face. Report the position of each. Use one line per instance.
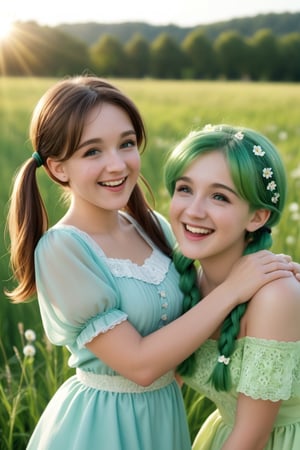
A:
(207, 215)
(103, 171)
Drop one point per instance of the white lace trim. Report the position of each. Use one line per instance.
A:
(153, 270)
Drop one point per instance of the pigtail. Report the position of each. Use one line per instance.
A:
(27, 220)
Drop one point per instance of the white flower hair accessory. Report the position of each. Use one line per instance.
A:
(267, 173)
(239, 135)
(223, 360)
(258, 151)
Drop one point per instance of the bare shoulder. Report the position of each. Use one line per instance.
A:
(274, 311)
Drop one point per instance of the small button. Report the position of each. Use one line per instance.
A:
(162, 294)
(165, 305)
(164, 317)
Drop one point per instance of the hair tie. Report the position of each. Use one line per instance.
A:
(38, 159)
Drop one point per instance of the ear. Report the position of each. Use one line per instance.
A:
(57, 170)
(259, 218)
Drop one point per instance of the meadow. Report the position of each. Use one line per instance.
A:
(170, 109)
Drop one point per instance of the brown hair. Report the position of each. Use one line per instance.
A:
(55, 131)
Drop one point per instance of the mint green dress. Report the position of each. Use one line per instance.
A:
(261, 369)
(82, 293)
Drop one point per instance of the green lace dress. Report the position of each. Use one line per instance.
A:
(261, 369)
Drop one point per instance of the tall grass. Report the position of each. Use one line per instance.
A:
(170, 109)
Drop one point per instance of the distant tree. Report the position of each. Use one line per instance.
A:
(232, 53)
(289, 48)
(265, 51)
(42, 51)
(167, 58)
(199, 50)
(138, 56)
(108, 57)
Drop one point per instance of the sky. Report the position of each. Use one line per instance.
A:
(187, 13)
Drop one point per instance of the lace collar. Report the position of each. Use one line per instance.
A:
(154, 268)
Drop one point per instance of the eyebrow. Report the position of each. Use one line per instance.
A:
(213, 185)
(99, 140)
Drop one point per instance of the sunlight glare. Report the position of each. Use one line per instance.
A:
(5, 29)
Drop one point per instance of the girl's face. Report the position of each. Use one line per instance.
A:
(104, 169)
(207, 215)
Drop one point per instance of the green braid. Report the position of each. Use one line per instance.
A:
(220, 377)
(188, 285)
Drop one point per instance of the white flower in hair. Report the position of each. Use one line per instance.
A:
(222, 359)
(275, 197)
(271, 186)
(239, 135)
(209, 127)
(258, 151)
(267, 172)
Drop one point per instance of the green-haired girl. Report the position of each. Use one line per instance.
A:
(228, 188)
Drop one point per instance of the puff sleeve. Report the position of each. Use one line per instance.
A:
(270, 369)
(77, 296)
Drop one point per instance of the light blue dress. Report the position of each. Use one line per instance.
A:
(82, 293)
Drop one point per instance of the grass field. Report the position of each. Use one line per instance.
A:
(170, 109)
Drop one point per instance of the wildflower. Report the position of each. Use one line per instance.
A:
(275, 197)
(29, 350)
(271, 186)
(296, 173)
(258, 151)
(293, 207)
(267, 172)
(295, 217)
(290, 240)
(209, 127)
(30, 335)
(239, 135)
(282, 136)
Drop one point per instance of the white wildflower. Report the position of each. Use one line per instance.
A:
(29, 350)
(258, 151)
(290, 240)
(30, 335)
(267, 172)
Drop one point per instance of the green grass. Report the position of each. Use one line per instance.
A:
(170, 109)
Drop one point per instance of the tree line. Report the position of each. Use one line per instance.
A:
(34, 50)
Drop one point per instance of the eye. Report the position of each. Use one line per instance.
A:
(129, 143)
(220, 197)
(183, 188)
(91, 152)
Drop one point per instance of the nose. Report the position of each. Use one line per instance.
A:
(115, 161)
(197, 208)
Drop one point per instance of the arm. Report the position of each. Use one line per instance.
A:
(253, 424)
(144, 359)
(273, 315)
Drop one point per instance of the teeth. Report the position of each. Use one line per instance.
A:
(113, 183)
(197, 230)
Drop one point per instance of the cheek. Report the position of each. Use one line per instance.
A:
(135, 160)
(174, 212)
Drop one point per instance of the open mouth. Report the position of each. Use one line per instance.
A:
(114, 183)
(198, 230)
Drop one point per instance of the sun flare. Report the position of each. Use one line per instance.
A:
(6, 27)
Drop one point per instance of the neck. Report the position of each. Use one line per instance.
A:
(214, 271)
